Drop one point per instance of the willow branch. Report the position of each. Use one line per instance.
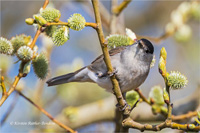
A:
(107, 60)
(142, 127)
(3, 86)
(118, 9)
(184, 116)
(45, 4)
(12, 88)
(47, 114)
(142, 96)
(35, 37)
(88, 24)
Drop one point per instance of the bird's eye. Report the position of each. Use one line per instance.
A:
(147, 51)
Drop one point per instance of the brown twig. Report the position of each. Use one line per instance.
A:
(107, 60)
(88, 24)
(173, 117)
(35, 38)
(45, 4)
(3, 86)
(184, 116)
(118, 9)
(12, 88)
(20, 74)
(142, 96)
(46, 113)
(130, 123)
(116, 88)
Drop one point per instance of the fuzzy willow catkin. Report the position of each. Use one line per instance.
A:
(40, 66)
(5, 46)
(176, 80)
(25, 53)
(76, 22)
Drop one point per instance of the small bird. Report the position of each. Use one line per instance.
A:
(131, 64)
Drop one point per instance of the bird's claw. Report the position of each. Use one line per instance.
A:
(122, 108)
(110, 74)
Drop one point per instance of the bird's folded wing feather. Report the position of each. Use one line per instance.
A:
(99, 66)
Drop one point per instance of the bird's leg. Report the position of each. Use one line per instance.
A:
(120, 107)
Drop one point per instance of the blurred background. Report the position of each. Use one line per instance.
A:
(146, 18)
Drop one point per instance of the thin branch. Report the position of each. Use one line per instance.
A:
(47, 114)
(88, 24)
(45, 4)
(142, 96)
(12, 88)
(3, 86)
(35, 38)
(20, 74)
(184, 116)
(142, 127)
(118, 9)
(169, 105)
(173, 117)
(107, 60)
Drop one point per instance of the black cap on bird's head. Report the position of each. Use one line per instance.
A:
(146, 45)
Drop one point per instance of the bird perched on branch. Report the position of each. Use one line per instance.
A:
(131, 64)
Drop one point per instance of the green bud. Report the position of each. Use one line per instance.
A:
(165, 96)
(29, 21)
(40, 66)
(118, 40)
(25, 53)
(132, 97)
(163, 53)
(60, 36)
(40, 20)
(176, 80)
(26, 69)
(19, 41)
(50, 14)
(5, 46)
(162, 66)
(76, 22)
(191, 126)
(156, 94)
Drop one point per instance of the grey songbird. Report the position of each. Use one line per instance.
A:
(131, 64)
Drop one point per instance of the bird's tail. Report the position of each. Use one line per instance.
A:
(60, 79)
(77, 76)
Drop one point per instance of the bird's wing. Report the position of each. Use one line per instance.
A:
(98, 65)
